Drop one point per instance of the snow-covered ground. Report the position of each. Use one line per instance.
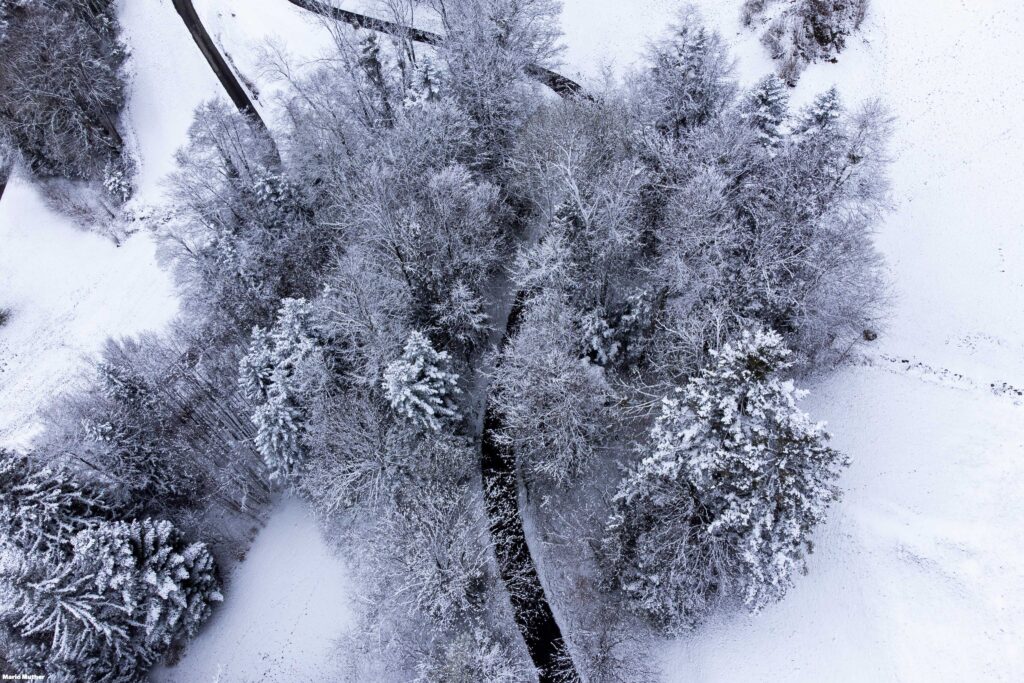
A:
(252, 33)
(169, 78)
(919, 576)
(285, 608)
(68, 291)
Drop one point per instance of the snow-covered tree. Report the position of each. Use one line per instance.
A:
(271, 375)
(690, 75)
(427, 83)
(171, 584)
(766, 109)
(419, 386)
(41, 508)
(113, 606)
(125, 429)
(724, 505)
(61, 90)
(553, 399)
(474, 655)
(86, 597)
(371, 62)
(461, 317)
(823, 115)
(245, 240)
(806, 31)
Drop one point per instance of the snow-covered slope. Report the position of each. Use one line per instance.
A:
(919, 575)
(70, 289)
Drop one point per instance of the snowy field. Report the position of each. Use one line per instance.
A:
(919, 574)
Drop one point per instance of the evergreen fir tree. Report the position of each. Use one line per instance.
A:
(426, 83)
(270, 375)
(725, 504)
(690, 76)
(821, 116)
(87, 598)
(41, 509)
(418, 385)
(766, 109)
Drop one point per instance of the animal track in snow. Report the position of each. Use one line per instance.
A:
(944, 376)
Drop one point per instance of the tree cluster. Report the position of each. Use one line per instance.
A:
(62, 90)
(86, 595)
(625, 284)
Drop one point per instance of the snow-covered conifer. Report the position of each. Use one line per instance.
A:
(724, 505)
(427, 83)
(766, 109)
(85, 597)
(821, 116)
(419, 386)
(690, 75)
(42, 508)
(176, 580)
(271, 375)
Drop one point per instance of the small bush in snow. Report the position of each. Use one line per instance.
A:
(724, 505)
(117, 181)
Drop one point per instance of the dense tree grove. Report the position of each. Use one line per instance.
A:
(799, 32)
(61, 89)
(617, 291)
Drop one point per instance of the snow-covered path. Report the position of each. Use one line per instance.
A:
(919, 576)
(284, 608)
